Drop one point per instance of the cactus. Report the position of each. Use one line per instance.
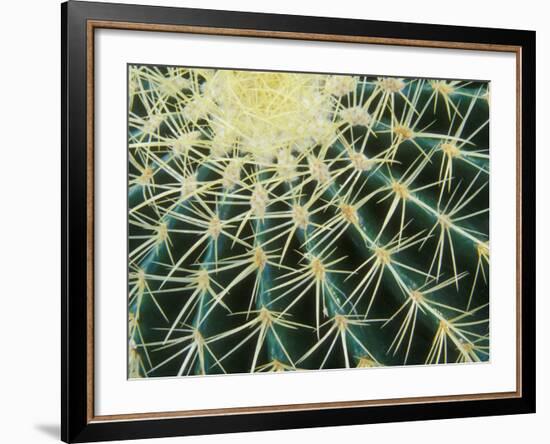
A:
(288, 221)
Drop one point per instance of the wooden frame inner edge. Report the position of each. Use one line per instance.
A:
(94, 24)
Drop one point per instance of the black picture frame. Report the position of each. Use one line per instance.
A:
(77, 423)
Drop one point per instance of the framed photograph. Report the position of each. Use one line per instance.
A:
(275, 221)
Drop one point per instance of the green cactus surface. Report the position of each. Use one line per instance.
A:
(287, 221)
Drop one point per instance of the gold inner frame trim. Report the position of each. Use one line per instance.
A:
(92, 25)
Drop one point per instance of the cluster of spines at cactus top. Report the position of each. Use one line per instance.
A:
(288, 221)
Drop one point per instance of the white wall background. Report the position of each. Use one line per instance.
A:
(30, 208)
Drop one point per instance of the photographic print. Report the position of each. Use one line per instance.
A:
(283, 221)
